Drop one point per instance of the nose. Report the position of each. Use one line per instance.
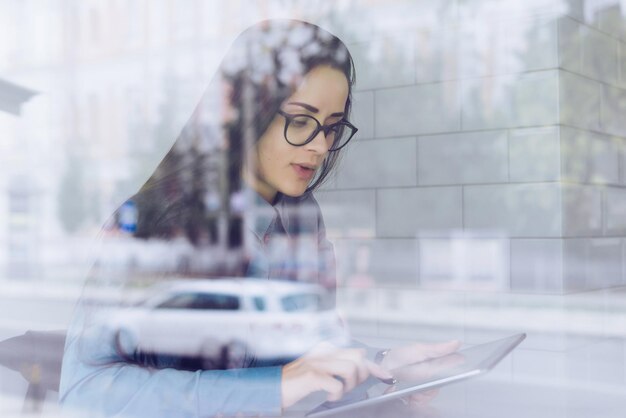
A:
(319, 144)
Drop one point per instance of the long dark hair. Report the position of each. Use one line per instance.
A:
(203, 168)
(194, 191)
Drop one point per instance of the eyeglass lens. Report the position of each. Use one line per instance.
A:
(302, 128)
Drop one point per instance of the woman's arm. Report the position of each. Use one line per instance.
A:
(97, 381)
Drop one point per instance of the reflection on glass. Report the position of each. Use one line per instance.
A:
(272, 321)
(218, 269)
(453, 98)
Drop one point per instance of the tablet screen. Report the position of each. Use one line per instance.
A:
(425, 375)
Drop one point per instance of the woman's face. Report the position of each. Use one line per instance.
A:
(276, 165)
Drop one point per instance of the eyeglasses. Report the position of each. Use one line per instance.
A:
(301, 129)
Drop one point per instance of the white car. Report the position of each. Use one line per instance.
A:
(230, 320)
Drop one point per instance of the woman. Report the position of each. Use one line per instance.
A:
(238, 182)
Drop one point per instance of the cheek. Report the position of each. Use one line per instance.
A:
(270, 153)
(272, 145)
(264, 151)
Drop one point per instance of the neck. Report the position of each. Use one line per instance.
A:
(265, 191)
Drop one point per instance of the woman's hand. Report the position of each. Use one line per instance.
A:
(330, 369)
(416, 353)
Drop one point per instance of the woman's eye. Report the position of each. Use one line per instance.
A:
(301, 122)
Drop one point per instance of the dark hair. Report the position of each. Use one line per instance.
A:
(262, 68)
(320, 49)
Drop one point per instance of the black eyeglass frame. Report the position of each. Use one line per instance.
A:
(324, 128)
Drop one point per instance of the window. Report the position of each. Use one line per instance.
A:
(204, 301)
(210, 301)
(302, 302)
(180, 301)
(259, 303)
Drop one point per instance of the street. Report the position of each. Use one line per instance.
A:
(574, 356)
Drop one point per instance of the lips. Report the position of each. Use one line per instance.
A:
(304, 171)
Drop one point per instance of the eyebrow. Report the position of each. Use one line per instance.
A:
(314, 109)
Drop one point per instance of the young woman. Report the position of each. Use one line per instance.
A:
(267, 133)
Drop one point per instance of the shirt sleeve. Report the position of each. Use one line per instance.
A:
(97, 381)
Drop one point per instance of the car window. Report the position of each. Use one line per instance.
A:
(178, 301)
(302, 302)
(259, 303)
(216, 301)
(208, 301)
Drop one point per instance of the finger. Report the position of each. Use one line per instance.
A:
(330, 385)
(415, 353)
(424, 397)
(422, 409)
(356, 356)
(441, 349)
(426, 369)
(344, 370)
(447, 362)
(440, 364)
(378, 371)
(391, 389)
(428, 351)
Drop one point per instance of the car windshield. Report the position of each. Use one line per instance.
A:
(151, 297)
(302, 302)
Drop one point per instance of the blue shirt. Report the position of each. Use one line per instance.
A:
(287, 240)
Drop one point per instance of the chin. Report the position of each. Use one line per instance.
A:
(294, 191)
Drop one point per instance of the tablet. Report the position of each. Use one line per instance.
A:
(422, 376)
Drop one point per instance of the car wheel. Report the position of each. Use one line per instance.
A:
(125, 343)
(237, 355)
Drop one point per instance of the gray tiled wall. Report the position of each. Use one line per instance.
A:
(517, 210)
(582, 210)
(537, 265)
(539, 145)
(407, 212)
(417, 109)
(383, 163)
(510, 101)
(442, 159)
(579, 101)
(590, 157)
(615, 208)
(514, 204)
(507, 126)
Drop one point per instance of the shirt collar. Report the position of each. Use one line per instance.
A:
(263, 214)
(266, 214)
